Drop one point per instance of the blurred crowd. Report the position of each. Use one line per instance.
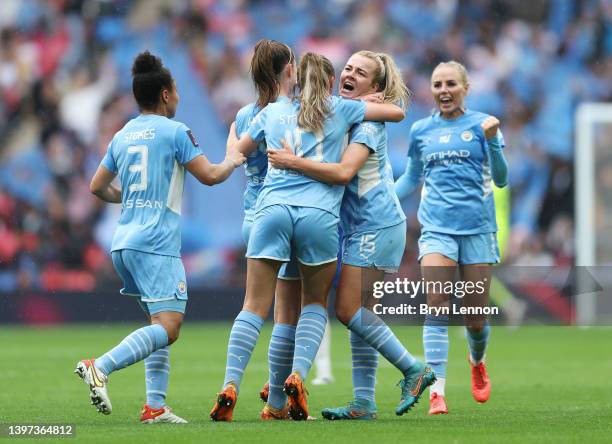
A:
(65, 90)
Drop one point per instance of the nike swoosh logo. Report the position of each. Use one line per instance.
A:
(415, 392)
(156, 413)
(96, 379)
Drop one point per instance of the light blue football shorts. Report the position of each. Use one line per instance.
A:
(463, 249)
(310, 233)
(159, 281)
(151, 308)
(381, 249)
(289, 270)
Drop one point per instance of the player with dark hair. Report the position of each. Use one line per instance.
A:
(149, 156)
(270, 57)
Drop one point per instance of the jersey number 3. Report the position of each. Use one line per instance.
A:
(139, 168)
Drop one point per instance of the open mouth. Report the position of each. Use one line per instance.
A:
(348, 87)
(446, 100)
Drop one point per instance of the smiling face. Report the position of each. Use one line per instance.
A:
(357, 78)
(449, 88)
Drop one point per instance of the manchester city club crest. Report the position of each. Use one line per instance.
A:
(467, 136)
(182, 287)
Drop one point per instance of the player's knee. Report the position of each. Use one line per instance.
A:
(476, 325)
(437, 300)
(288, 316)
(172, 329)
(343, 314)
(173, 334)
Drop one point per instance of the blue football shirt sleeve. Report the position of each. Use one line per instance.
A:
(366, 134)
(413, 142)
(499, 166)
(242, 120)
(497, 142)
(352, 110)
(258, 125)
(409, 181)
(187, 147)
(108, 161)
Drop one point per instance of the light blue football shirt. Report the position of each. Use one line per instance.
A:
(457, 195)
(148, 155)
(256, 164)
(369, 201)
(278, 121)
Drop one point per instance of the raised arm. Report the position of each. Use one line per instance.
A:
(409, 181)
(341, 173)
(383, 112)
(495, 144)
(101, 185)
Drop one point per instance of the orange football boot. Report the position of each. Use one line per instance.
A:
(265, 392)
(224, 405)
(269, 413)
(437, 405)
(296, 392)
(481, 384)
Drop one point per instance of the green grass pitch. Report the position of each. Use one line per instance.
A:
(550, 384)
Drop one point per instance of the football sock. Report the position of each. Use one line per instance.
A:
(308, 335)
(280, 361)
(435, 344)
(157, 372)
(377, 334)
(242, 340)
(136, 346)
(365, 363)
(322, 360)
(477, 342)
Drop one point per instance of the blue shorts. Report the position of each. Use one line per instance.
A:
(151, 308)
(463, 249)
(151, 277)
(289, 270)
(310, 233)
(381, 249)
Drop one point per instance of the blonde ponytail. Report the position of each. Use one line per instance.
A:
(313, 79)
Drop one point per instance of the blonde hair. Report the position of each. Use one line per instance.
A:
(459, 67)
(389, 79)
(313, 79)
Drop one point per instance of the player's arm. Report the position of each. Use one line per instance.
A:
(244, 144)
(499, 166)
(214, 173)
(101, 185)
(409, 181)
(341, 173)
(383, 112)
